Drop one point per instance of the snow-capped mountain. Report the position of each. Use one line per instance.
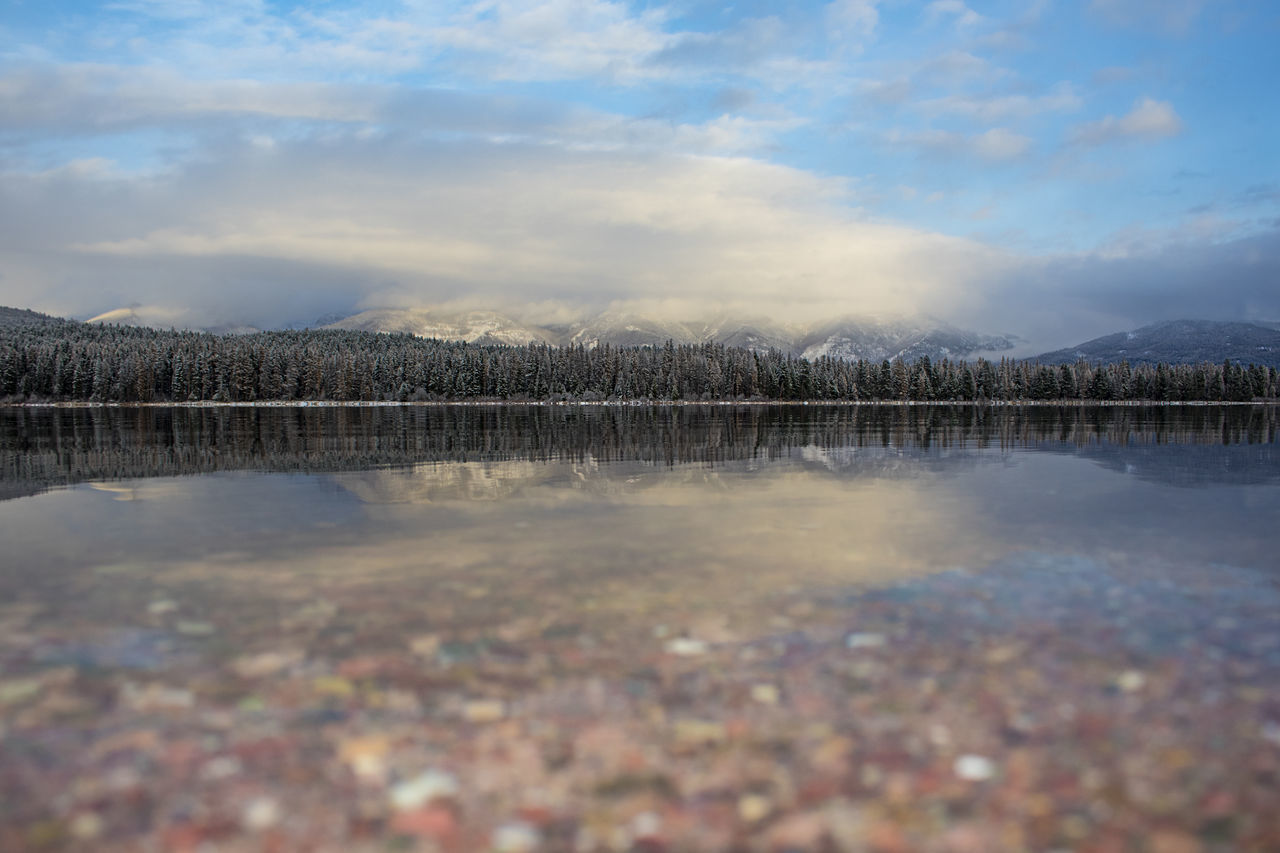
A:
(845, 338)
(849, 337)
(631, 330)
(1179, 342)
(758, 334)
(481, 327)
(876, 340)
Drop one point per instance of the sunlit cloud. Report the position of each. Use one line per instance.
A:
(510, 223)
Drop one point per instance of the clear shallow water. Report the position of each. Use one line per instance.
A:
(875, 594)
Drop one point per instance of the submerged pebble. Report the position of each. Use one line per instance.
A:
(1131, 680)
(422, 789)
(260, 813)
(266, 663)
(483, 711)
(754, 807)
(974, 768)
(765, 694)
(686, 647)
(515, 837)
(85, 826)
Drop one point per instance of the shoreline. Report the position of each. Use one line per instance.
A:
(349, 404)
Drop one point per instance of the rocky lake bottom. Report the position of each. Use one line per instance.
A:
(661, 629)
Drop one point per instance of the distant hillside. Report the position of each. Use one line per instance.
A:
(1179, 342)
(873, 340)
(11, 317)
(631, 330)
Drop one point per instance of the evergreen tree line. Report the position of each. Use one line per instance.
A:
(128, 364)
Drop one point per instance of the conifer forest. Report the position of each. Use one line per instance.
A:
(67, 361)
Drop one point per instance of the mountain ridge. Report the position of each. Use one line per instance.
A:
(14, 317)
(1183, 341)
(848, 337)
(1178, 342)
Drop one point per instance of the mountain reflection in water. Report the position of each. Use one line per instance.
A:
(890, 487)
(44, 447)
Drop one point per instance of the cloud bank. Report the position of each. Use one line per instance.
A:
(497, 223)
(245, 163)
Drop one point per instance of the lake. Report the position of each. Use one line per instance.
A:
(517, 628)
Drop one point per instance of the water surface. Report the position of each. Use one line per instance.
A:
(1017, 628)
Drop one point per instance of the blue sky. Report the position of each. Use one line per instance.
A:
(1052, 169)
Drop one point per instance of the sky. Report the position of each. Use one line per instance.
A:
(1052, 169)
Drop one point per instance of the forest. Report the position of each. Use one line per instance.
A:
(67, 361)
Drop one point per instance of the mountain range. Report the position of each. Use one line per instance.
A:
(1179, 342)
(1171, 342)
(850, 337)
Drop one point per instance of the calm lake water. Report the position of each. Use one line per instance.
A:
(599, 628)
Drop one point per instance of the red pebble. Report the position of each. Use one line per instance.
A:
(182, 836)
(536, 815)
(428, 822)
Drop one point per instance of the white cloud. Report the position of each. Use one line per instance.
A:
(95, 99)
(556, 39)
(999, 143)
(726, 134)
(1170, 16)
(489, 39)
(188, 9)
(893, 91)
(965, 17)
(286, 233)
(960, 65)
(488, 222)
(90, 96)
(86, 168)
(609, 41)
(1062, 98)
(1149, 118)
(853, 20)
(1014, 33)
(897, 82)
(996, 144)
(210, 38)
(269, 155)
